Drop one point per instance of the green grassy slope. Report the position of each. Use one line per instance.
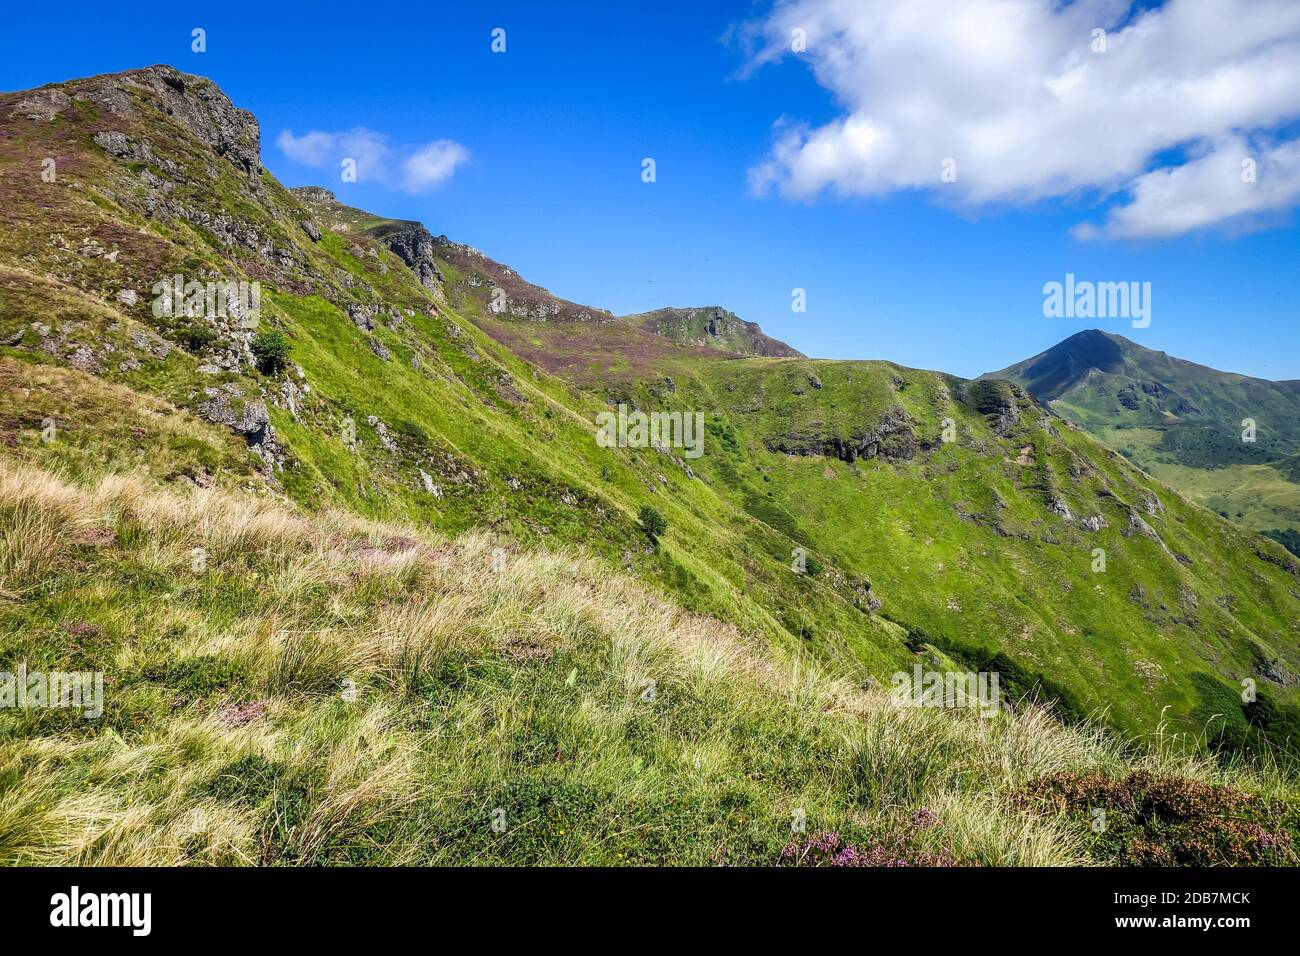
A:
(411, 397)
(387, 384)
(328, 690)
(981, 549)
(987, 545)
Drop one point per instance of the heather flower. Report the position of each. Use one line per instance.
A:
(898, 849)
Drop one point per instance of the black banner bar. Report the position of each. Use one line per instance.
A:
(333, 906)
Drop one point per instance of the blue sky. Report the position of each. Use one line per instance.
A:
(556, 129)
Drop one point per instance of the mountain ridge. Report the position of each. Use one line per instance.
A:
(1124, 347)
(503, 297)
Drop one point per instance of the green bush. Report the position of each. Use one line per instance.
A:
(652, 522)
(271, 350)
(196, 338)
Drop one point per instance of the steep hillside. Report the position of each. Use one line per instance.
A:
(1187, 424)
(391, 405)
(1017, 540)
(864, 515)
(536, 709)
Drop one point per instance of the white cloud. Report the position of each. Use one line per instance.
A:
(1013, 91)
(1206, 190)
(310, 150)
(434, 164)
(412, 168)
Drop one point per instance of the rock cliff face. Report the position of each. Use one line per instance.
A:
(893, 438)
(999, 401)
(413, 244)
(196, 103)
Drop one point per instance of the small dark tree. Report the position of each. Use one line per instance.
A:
(652, 523)
(271, 350)
(196, 337)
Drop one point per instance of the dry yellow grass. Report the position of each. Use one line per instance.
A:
(473, 684)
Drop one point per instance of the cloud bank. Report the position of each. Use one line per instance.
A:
(1024, 100)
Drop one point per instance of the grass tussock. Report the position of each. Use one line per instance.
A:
(329, 691)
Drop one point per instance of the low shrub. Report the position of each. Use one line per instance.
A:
(1144, 819)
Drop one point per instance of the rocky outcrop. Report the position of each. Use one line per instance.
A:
(194, 102)
(1273, 669)
(892, 439)
(1058, 507)
(998, 400)
(381, 430)
(1277, 555)
(227, 406)
(414, 244)
(1136, 524)
(362, 316)
(713, 327)
(314, 194)
(114, 142)
(42, 105)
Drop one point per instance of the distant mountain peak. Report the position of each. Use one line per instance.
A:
(714, 327)
(1087, 336)
(1100, 379)
(1052, 373)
